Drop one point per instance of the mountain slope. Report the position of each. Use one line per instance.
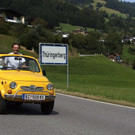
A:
(56, 11)
(110, 6)
(79, 2)
(123, 7)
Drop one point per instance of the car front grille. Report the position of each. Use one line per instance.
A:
(30, 88)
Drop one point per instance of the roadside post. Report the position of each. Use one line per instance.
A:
(54, 54)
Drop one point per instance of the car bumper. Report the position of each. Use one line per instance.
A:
(15, 97)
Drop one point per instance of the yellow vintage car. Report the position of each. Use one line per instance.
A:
(23, 81)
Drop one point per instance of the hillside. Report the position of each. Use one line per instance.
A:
(120, 8)
(59, 11)
(6, 42)
(79, 2)
(101, 5)
(95, 76)
(123, 7)
(54, 12)
(103, 32)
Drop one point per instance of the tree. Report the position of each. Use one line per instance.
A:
(4, 27)
(93, 45)
(39, 22)
(30, 40)
(113, 43)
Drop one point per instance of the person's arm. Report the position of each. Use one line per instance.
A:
(5, 63)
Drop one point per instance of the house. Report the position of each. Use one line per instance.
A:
(65, 35)
(80, 31)
(11, 16)
(115, 58)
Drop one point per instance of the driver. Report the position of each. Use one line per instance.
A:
(15, 62)
(15, 48)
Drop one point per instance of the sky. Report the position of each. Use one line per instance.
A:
(129, 0)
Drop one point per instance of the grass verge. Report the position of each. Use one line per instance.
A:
(97, 98)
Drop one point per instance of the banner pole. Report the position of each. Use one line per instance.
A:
(67, 68)
(49, 51)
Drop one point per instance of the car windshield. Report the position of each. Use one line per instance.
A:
(18, 63)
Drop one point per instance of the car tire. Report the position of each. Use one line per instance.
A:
(3, 105)
(47, 107)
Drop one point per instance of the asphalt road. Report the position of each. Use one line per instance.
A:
(71, 116)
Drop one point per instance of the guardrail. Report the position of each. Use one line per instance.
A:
(82, 55)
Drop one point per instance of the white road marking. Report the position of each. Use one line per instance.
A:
(101, 102)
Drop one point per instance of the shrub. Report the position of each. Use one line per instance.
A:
(133, 64)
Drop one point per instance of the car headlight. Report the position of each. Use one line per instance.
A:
(13, 85)
(50, 86)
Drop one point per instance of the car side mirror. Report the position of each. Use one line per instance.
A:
(44, 72)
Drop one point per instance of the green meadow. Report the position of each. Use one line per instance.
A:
(95, 76)
(127, 56)
(67, 28)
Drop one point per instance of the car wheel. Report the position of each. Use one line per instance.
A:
(47, 107)
(3, 105)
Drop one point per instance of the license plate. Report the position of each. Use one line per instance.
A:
(33, 97)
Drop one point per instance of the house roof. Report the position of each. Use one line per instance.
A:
(11, 11)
